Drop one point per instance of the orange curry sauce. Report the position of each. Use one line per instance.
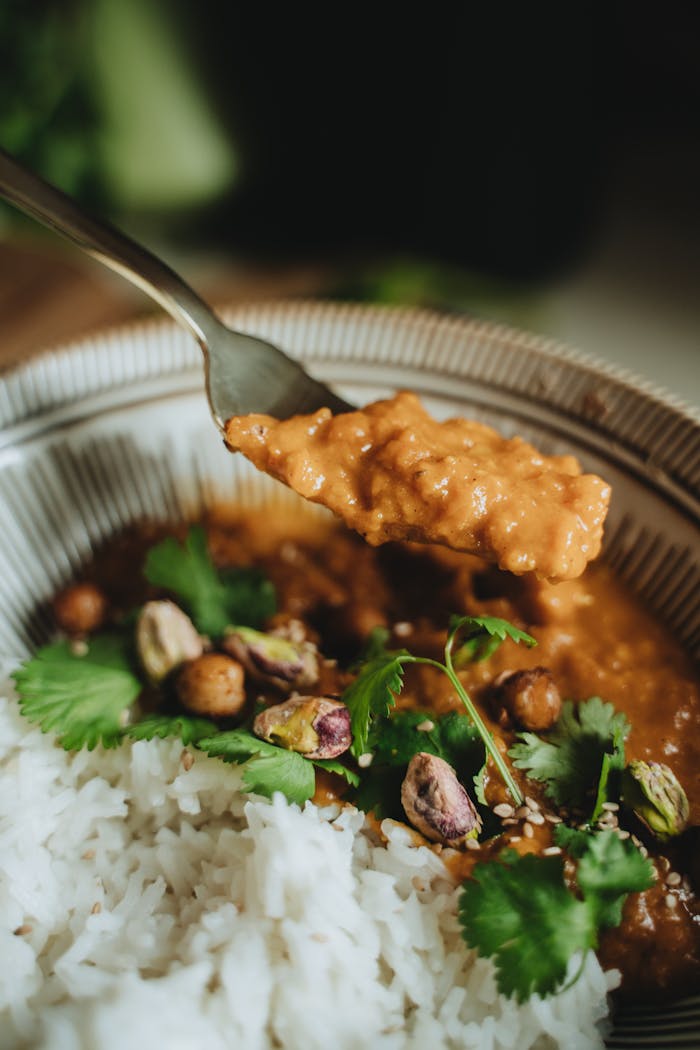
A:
(591, 633)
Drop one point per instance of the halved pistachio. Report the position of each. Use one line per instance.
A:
(273, 657)
(165, 638)
(315, 726)
(654, 793)
(436, 803)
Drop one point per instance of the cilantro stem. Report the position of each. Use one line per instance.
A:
(487, 738)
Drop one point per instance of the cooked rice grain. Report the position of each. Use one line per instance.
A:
(168, 909)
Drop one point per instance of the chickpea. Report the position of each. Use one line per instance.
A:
(529, 698)
(212, 686)
(80, 608)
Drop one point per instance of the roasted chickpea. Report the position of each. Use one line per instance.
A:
(212, 685)
(528, 698)
(80, 608)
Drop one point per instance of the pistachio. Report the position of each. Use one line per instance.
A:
(315, 726)
(436, 803)
(165, 638)
(652, 791)
(278, 658)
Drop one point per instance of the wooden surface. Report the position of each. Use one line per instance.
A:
(50, 296)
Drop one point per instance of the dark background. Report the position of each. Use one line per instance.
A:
(539, 164)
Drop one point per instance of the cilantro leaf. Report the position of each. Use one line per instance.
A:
(482, 636)
(609, 868)
(267, 768)
(373, 693)
(331, 765)
(80, 698)
(213, 600)
(570, 760)
(190, 730)
(519, 912)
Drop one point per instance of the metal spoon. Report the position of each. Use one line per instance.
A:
(242, 373)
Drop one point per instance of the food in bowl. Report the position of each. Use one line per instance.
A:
(340, 696)
(155, 900)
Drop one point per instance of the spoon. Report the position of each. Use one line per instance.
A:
(242, 373)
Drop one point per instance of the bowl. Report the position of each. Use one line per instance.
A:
(116, 428)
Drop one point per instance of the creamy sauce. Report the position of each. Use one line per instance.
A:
(391, 472)
(592, 634)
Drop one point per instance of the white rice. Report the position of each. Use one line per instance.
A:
(169, 910)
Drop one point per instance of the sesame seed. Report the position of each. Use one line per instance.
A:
(636, 840)
(621, 834)
(425, 727)
(187, 760)
(96, 908)
(551, 851)
(552, 818)
(364, 761)
(523, 813)
(644, 851)
(536, 818)
(23, 930)
(611, 807)
(79, 647)
(515, 838)
(528, 830)
(673, 879)
(508, 822)
(472, 844)
(504, 809)
(670, 900)
(402, 629)
(531, 804)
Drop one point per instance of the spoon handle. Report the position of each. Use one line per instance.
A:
(55, 209)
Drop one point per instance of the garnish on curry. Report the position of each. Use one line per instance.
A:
(559, 781)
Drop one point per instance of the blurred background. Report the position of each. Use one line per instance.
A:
(537, 167)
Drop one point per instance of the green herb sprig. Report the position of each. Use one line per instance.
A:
(519, 911)
(380, 681)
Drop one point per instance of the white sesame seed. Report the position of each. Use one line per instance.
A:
(621, 834)
(472, 844)
(552, 818)
(636, 840)
(670, 900)
(528, 830)
(365, 760)
(644, 851)
(402, 629)
(551, 851)
(673, 879)
(504, 809)
(611, 807)
(515, 838)
(536, 818)
(531, 804)
(425, 727)
(96, 908)
(508, 822)
(79, 647)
